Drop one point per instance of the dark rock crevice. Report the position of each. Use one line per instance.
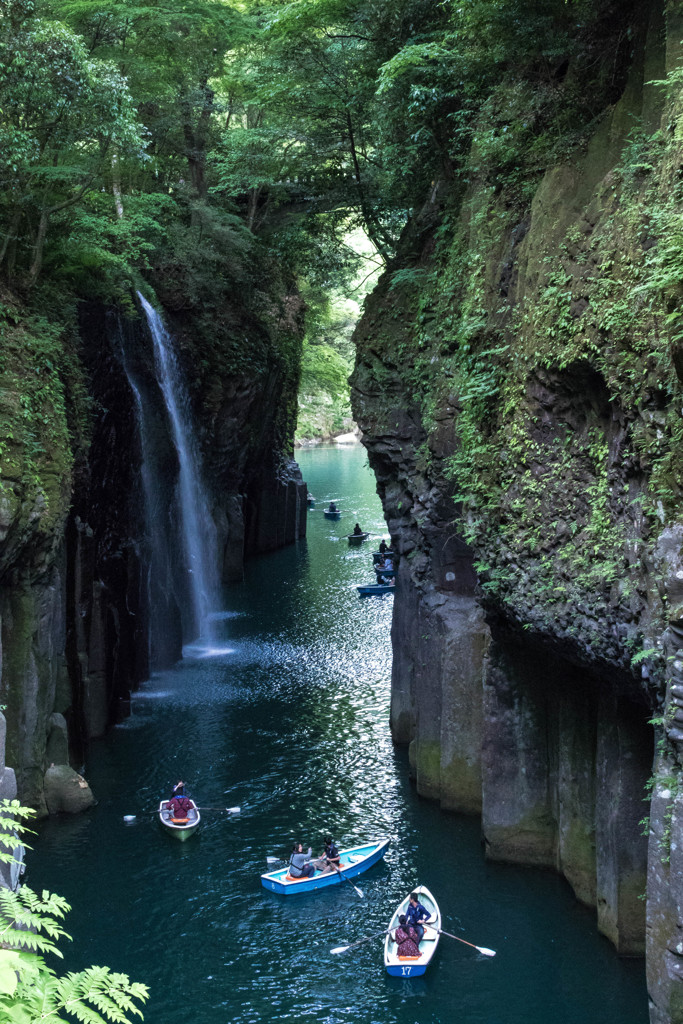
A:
(92, 601)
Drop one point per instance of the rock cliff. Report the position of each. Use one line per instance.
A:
(518, 384)
(82, 616)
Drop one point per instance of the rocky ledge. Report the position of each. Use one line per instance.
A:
(518, 385)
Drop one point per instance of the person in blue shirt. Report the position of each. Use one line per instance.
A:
(330, 859)
(416, 913)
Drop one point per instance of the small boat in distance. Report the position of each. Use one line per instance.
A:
(353, 862)
(332, 513)
(357, 538)
(310, 500)
(373, 589)
(412, 966)
(181, 828)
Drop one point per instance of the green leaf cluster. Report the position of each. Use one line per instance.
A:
(30, 928)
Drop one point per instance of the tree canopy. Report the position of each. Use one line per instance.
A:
(177, 133)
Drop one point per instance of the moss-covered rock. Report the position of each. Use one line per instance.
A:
(518, 384)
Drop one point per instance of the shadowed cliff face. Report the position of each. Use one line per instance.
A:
(518, 389)
(91, 598)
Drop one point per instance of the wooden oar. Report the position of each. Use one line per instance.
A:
(480, 949)
(368, 938)
(340, 872)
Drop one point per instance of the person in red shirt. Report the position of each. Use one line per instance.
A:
(179, 805)
(406, 938)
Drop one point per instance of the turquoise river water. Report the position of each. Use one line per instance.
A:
(288, 717)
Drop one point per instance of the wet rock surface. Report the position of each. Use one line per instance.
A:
(90, 599)
(538, 616)
(66, 792)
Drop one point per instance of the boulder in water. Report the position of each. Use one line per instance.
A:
(66, 791)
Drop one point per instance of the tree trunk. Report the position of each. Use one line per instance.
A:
(254, 197)
(116, 184)
(38, 248)
(11, 235)
(196, 138)
(378, 236)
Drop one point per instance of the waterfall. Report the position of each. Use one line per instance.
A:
(197, 528)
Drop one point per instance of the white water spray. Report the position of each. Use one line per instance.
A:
(197, 527)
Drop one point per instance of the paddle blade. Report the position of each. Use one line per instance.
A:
(485, 951)
(358, 891)
(233, 810)
(272, 860)
(339, 949)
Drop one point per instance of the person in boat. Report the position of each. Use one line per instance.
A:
(357, 532)
(416, 913)
(333, 507)
(300, 863)
(406, 938)
(383, 547)
(387, 563)
(330, 859)
(179, 805)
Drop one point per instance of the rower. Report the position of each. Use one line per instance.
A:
(179, 805)
(415, 913)
(330, 859)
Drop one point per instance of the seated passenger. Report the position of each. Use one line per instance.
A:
(357, 530)
(300, 863)
(332, 508)
(406, 938)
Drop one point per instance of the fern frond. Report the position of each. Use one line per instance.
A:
(97, 996)
(29, 921)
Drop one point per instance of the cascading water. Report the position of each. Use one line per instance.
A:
(197, 527)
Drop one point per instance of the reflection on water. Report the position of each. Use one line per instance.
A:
(289, 720)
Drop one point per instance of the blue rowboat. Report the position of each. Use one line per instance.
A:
(372, 589)
(332, 515)
(357, 538)
(353, 862)
(384, 572)
(408, 966)
(377, 556)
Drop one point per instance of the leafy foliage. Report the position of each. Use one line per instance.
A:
(31, 926)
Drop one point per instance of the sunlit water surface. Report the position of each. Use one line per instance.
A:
(288, 717)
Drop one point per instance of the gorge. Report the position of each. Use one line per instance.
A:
(516, 169)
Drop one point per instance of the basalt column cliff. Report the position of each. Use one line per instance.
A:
(94, 581)
(519, 387)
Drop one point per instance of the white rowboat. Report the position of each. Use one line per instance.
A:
(181, 828)
(412, 967)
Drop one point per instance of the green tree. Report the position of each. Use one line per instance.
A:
(62, 114)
